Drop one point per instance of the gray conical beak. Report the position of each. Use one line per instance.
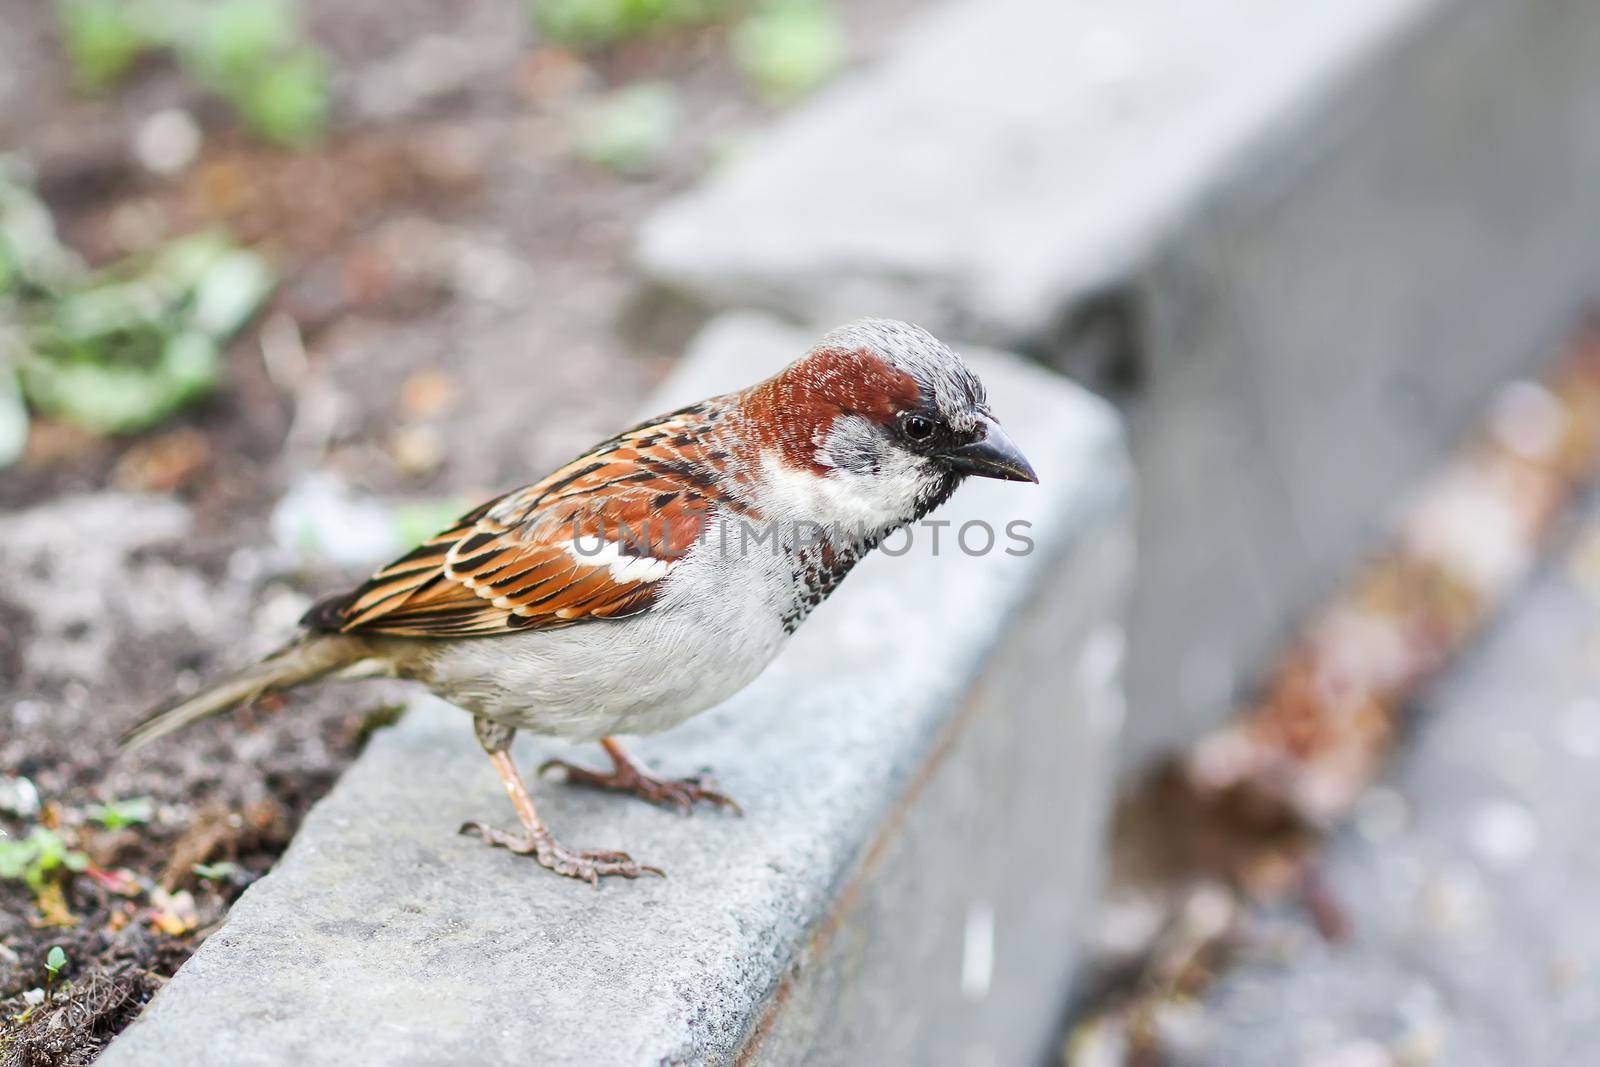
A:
(994, 455)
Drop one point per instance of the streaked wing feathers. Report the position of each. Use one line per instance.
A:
(594, 540)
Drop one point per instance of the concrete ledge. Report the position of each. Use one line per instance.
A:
(1306, 240)
(925, 773)
(1006, 159)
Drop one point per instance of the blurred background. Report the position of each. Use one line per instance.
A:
(286, 285)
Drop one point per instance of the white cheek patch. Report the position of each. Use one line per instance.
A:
(595, 551)
(839, 497)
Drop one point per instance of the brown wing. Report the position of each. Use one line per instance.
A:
(594, 540)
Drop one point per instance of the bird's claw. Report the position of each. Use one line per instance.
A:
(587, 866)
(679, 793)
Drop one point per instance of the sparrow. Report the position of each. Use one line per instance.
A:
(655, 575)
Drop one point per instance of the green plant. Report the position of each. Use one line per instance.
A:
(54, 960)
(33, 261)
(216, 872)
(786, 48)
(249, 52)
(122, 813)
(595, 23)
(234, 37)
(143, 340)
(629, 130)
(286, 100)
(39, 857)
(116, 350)
(102, 38)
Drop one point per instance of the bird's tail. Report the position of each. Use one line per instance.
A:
(303, 660)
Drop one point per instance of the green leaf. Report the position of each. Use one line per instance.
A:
(594, 23)
(143, 339)
(250, 51)
(789, 48)
(34, 256)
(102, 40)
(630, 129)
(241, 37)
(10, 269)
(112, 394)
(231, 291)
(216, 872)
(286, 100)
(13, 413)
(34, 859)
(55, 959)
(121, 813)
(15, 858)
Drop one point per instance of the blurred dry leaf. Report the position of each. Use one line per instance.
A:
(163, 464)
(173, 914)
(417, 450)
(51, 901)
(121, 881)
(428, 394)
(548, 75)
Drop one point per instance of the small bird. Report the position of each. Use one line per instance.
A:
(655, 575)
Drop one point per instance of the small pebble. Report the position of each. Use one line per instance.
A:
(27, 713)
(1503, 834)
(19, 797)
(1182, 1028)
(1566, 972)
(167, 142)
(1528, 420)
(1454, 904)
(1382, 814)
(490, 274)
(1100, 1042)
(1128, 925)
(417, 450)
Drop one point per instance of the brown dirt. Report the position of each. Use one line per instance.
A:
(459, 284)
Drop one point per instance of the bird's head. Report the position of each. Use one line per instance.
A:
(877, 425)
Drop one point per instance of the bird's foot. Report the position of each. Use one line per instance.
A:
(679, 793)
(552, 854)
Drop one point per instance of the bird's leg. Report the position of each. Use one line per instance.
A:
(628, 775)
(536, 840)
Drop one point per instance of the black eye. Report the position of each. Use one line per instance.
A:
(918, 427)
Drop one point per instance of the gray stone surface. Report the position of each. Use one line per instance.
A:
(1007, 157)
(1470, 877)
(925, 775)
(1313, 236)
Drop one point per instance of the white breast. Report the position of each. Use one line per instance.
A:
(715, 626)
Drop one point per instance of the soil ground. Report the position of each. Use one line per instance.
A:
(457, 316)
